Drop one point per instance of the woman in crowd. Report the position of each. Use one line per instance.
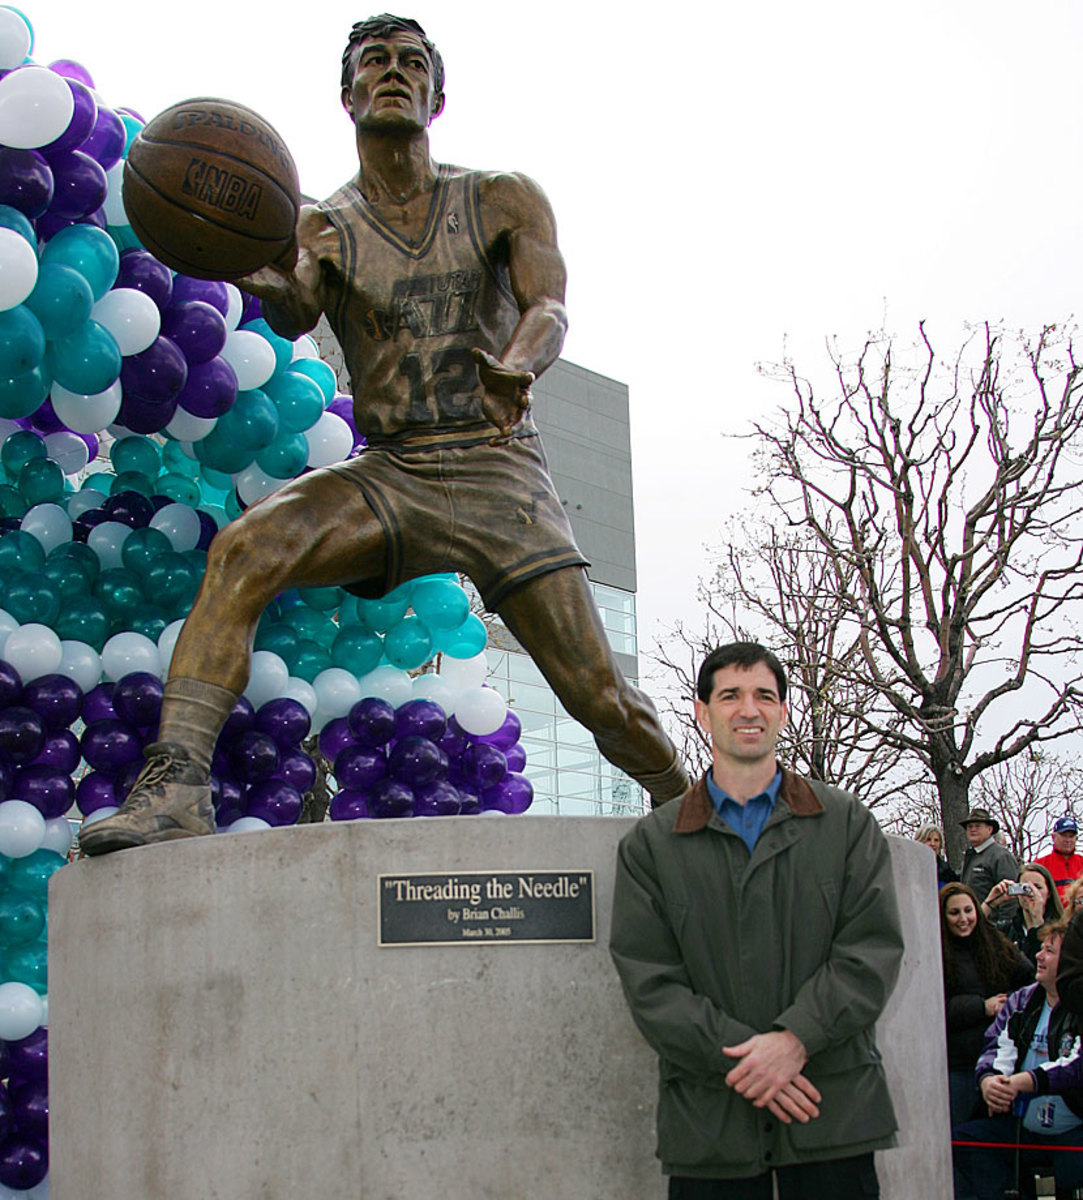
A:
(930, 835)
(980, 968)
(1037, 907)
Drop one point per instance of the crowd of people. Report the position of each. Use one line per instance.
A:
(1013, 1011)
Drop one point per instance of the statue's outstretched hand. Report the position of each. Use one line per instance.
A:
(274, 281)
(507, 392)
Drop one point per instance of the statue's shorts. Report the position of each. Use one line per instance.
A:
(448, 504)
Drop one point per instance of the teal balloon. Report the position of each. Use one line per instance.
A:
(181, 489)
(132, 126)
(310, 624)
(408, 644)
(12, 218)
(86, 361)
(281, 640)
(466, 641)
(323, 599)
(31, 874)
(318, 371)
(88, 250)
(23, 394)
(349, 612)
(312, 658)
(142, 547)
(22, 918)
(381, 615)
(22, 341)
(170, 579)
(251, 423)
(21, 551)
(135, 453)
(28, 964)
(132, 481)
(150, 620)
(298, 399)
(286, 457)
(176, 461)
(124, 237)
(12, 503)
(283, 350)
(80, 554)
(440, 603)
(61, 299)
(233, 506)
(19, 448)
(357, 650)
(84, 619)
(5, 870)
(221, 454)
(31, 598)
(99, 481)
(68, 577)
(120, 592)
(41, 482)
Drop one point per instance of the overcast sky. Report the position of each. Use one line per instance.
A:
(730, 180)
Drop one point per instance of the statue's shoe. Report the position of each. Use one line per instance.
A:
(170, 799)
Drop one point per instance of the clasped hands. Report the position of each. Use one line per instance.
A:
(999, 1091)
(769, 1075)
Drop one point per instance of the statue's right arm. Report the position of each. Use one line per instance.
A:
(291, 289)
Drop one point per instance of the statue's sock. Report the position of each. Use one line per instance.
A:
(664, 785)
(193, 713)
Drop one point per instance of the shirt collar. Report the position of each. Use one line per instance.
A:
(720, 795)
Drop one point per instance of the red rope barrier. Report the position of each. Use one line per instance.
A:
(1020, 1146)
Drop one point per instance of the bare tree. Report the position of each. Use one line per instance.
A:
(1026, 794)
(949, 543)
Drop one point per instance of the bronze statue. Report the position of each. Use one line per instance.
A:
(445, 288)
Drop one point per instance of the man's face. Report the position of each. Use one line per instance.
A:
(978, 831)
(392, 85)
(1064, 843)
(1048, 961)
(744, 714)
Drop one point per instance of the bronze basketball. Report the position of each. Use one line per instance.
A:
(211, 190)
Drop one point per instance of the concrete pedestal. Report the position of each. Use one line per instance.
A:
(225, 1026)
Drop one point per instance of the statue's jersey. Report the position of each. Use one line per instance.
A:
(407, 314)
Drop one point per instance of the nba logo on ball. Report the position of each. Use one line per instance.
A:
(211, 190)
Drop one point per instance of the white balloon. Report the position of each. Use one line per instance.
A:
(87, 413)
(41, 1192)
(187, 428)
(126, 652)
(7, 624)
(267, 677)
(131, 316)
(18, 267)
(253, 483)
(15, 39)
(302, 691)
(107, 541)
(167, 641)
(22, 830)
(33, 650)
(246, 825)
(180, 524)
(80, 662)
(463, 673)
(83, 501)
(305, 347)
(36, 106)
(99, 814)
(45, 1021)
(58, 836)
(68, 450)
(20, 1011)
(480, 710)
(250, 356)
(437, 689)
(337, 691)
(114, 202)
(330, 440)
(49, 523)
(388, 683)
(234, 306)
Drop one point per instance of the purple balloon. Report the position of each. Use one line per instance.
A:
(22, 733)
(23, 1164)
(439, 799)
(198, 328)
(251, 309)
(130, 508)
(61, 751)
(145, 416)
(7, 782)
(516, 757)
(7, 1110)
(253, 757)
(511, 795)
(85, 522)
(210, 291)
(507, 735)
(11, 685)
(210, 390)
(275, 801)
(29, 1056)
(157, 374)
(94, 791)
(57, 699)
(139, 269)
(50, 223)
(83, 119)
(420, 718)
(71, 69)
(335, 736)
(111, 745)
(228, 797)
(44, 418)
(107, 139)
(348, 805)
(455, 740)
(471, 800)
(137, 698)
(372, 721)
(417, 761)
(26, 182)
(30, 1102)
(391, 798)
(79, 185)
(208, 528)
(483, 765)
(241, 719)
(50, 791)
(285, 721)
(342, 406)
(358, 768)
(294, 766)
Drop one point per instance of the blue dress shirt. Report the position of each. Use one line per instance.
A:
(746, 820)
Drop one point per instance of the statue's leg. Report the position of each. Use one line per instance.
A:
(315, 531)
(555, 619)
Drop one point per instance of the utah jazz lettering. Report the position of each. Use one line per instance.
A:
(222, 189)
(427, 306)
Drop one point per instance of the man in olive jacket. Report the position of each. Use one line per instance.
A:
(757, 937)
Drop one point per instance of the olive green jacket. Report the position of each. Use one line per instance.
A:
(713, 945)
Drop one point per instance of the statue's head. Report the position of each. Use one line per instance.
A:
(388, 26)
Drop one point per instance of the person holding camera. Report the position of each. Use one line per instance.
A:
(1038, 905)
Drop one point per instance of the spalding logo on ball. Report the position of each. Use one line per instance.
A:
(211, 190)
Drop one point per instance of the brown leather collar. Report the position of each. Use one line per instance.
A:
(696, 807)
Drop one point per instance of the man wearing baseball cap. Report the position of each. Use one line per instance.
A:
(986, 861)
(1062, 862)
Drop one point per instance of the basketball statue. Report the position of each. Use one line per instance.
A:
(445, 289)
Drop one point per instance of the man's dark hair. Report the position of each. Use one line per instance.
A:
(384, 26)
(738, 654)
